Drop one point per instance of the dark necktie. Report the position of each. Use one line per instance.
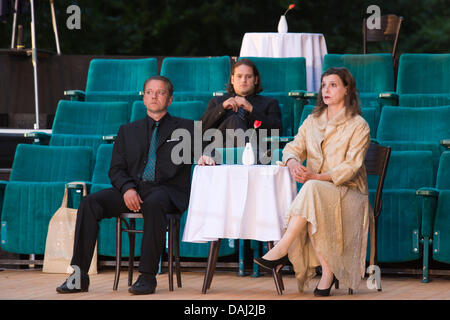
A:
(149, 171)
(242, 113)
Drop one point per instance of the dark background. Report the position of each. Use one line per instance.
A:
(216, 27)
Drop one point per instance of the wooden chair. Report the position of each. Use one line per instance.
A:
(130, 228)
(376, 162)
(389, 31)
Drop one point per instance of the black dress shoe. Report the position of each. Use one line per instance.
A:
(271, 264)
(84, 285)
(145, 284)
(324, 292)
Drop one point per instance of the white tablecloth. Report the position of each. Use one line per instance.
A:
(312, 46)
(238, 202)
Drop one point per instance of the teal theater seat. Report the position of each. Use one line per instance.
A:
(435, 204)
(399, 224)
(196, 78)
(404, 128)
(35, 191)
(192, 110)
(423, 81)
(79, 123)
(280, 77)
(112, 80)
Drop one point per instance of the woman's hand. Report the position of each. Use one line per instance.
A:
(303, 174)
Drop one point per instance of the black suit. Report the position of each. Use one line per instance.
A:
(168, 193)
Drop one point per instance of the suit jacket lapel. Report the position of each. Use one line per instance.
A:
(167, 129)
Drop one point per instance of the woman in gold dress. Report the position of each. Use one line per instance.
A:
(328, 222)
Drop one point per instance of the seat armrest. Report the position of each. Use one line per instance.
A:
(218, 93)
(428, 192)
(388, 98)
(77, 186)
(296, 93)
(39, 137)
(279, 139)
(75, 95)
(110, 139)
(428, 203)
(445, 143)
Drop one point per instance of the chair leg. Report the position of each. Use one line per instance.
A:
(336, 284)
(170, 258)
(177, 252)
(118, 252)
(131, 237)
(241, 272)
(215, 257)
(211, 265)
(350, 291)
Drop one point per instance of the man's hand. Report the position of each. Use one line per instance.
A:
(132, 200)
(230, 104)
(242, 102)
(206, 161)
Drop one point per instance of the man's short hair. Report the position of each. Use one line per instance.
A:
(169, 85)
(249, 63)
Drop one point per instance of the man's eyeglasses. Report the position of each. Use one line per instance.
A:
(157, 92)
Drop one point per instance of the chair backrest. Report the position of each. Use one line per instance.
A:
(424, 73)
(192, 110)
(102, 163)
(37, 163)
(120, 74)
(89, 118)
(372, 72)
(443, 174)
(281, 74)
(376, 163)
(409, 170)
(197, 74)
(414, 124)
(389, 30)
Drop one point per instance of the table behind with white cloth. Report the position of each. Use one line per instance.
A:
(237, 202)
(312, 46)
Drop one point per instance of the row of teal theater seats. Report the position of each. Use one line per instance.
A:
(423, 80)
(193, 79)
(408, 224)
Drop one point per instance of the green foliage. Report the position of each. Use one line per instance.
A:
(216, 27)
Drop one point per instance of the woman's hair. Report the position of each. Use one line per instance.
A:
(249, 63)
(351, 99)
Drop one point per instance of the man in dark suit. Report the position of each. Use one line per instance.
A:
(145, 179)
(242, 105)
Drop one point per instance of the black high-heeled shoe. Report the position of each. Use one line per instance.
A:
(324, 292)
(272, 264)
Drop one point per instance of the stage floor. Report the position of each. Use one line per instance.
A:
(29, 284)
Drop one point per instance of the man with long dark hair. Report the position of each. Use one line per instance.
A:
(242, 104)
